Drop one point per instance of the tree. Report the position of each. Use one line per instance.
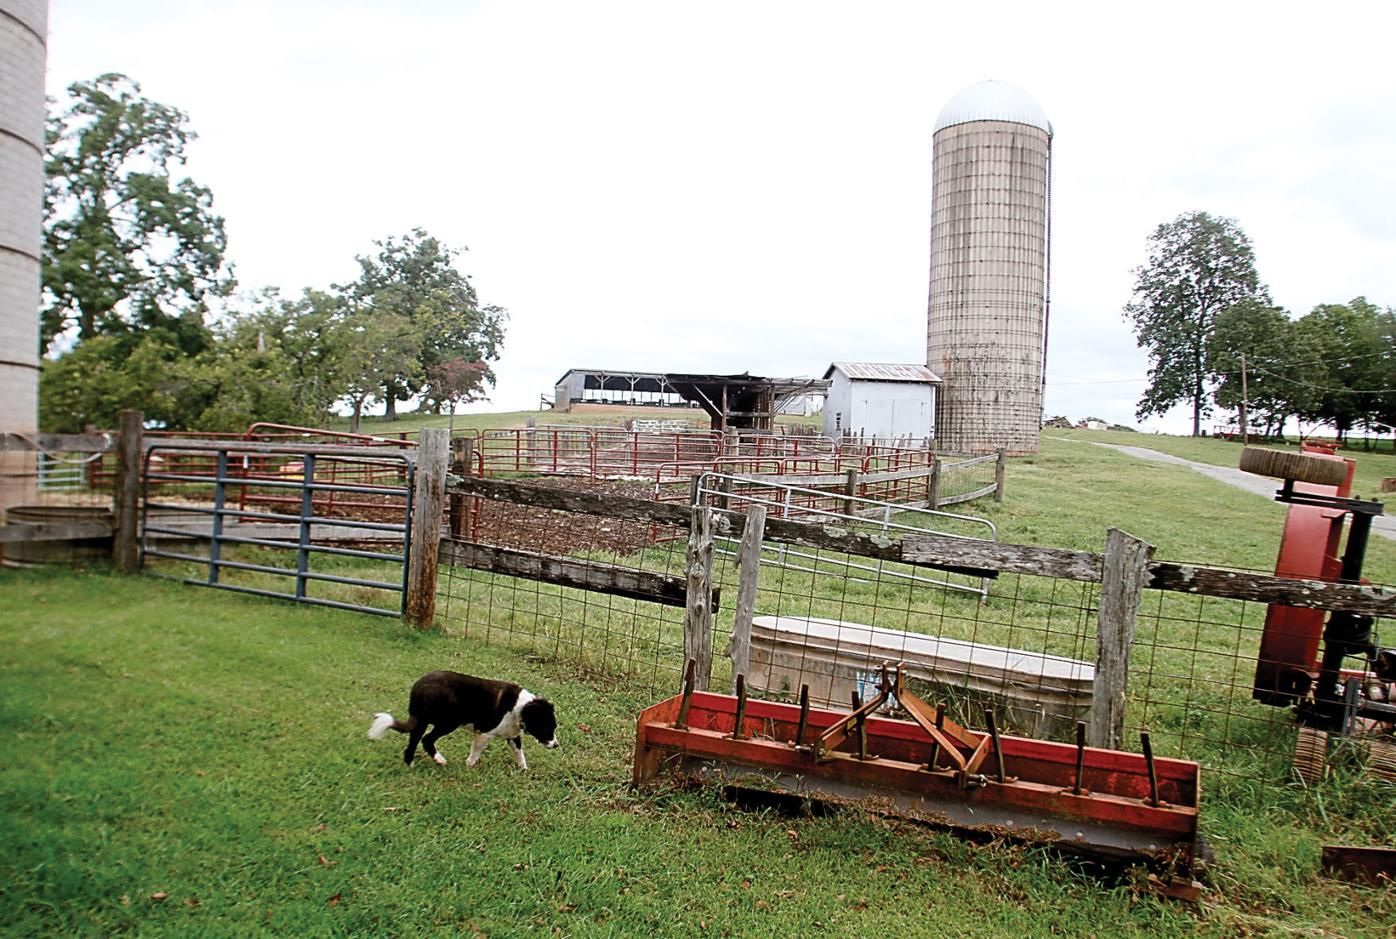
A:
(1263, 338)
(278, 360)
(105, 375)
(415, 279)
(1351, 364)
(126, 246)
(380, 347)
(455, 382)
(1198, 266)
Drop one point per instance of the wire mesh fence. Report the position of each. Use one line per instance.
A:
(52, 485)
(1019, 644)
(1193, 686)
(519, 577)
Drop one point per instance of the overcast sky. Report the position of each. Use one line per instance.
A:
(735, 187)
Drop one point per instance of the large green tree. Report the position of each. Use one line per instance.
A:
(1352, 367)
(1198, 266)
(1250, 358)
(283, 360)
(382, 347)
(91, 384)
(127, 246)
(414, 278)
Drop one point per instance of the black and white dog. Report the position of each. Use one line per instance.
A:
(447, 700)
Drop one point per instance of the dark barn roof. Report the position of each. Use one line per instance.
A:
(747, 401)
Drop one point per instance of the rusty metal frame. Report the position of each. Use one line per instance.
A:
(1106, 803)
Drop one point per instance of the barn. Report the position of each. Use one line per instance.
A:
(874, 400)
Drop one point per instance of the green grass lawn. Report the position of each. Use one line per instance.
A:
(161, 739)
(1372, 465)
(210, 748)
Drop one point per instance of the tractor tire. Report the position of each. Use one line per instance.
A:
(1300, 467)
(1381, 759)
(1311, 756)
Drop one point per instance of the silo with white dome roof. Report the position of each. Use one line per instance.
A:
(987, 318)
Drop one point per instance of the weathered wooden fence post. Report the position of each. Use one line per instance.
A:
(126, 493)
(724, 488)
(934, 497)
(1124, 572)
(999, 467)
(698, 608)
(462, 464)
(428, 506)
(731, 442)
(850, 490)
(748, 577)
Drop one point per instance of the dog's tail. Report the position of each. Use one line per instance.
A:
(384, 722)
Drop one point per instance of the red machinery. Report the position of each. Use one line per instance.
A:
(1301, 659)
(1121, 806)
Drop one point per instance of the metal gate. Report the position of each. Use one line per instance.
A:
(327, 525)
(731, 494)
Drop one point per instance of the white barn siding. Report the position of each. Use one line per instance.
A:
(882, 409)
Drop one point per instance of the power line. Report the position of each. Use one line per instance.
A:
(1253, 368)
(1305, 384)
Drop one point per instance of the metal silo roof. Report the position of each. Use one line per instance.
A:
(993, 101)
(879, 371)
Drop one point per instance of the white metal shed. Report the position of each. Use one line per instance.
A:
(875, 400)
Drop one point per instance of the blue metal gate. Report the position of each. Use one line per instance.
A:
(253, 504)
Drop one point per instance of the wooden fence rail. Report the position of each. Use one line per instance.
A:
(962, 555)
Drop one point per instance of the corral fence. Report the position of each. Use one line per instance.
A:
(672, 457)
(661, 455)
(821, 597)
(745, 577)
(303, 505)
(318, 522)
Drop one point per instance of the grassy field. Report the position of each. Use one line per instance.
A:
(165, 774)
(186, 762)
(1372, 465)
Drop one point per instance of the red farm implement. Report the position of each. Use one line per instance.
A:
(1303, 658)
(1103, 803)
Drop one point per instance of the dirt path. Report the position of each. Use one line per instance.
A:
(1384, 525)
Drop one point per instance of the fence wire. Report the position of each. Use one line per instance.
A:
(54, 487)
(639, 639)
(1192, 676)
(825, 619)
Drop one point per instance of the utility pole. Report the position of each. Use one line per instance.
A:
(1245, 438)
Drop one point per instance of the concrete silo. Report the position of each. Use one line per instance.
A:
(23, 32)
(987, 322)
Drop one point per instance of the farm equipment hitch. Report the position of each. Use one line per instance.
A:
(1109, 804)
(962, 750)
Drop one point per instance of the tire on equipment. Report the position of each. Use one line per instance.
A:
(1300, 467)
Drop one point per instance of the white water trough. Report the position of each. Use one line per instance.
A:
(1034, 693)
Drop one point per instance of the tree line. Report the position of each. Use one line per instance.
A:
(140, 309)
(1215, 338)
